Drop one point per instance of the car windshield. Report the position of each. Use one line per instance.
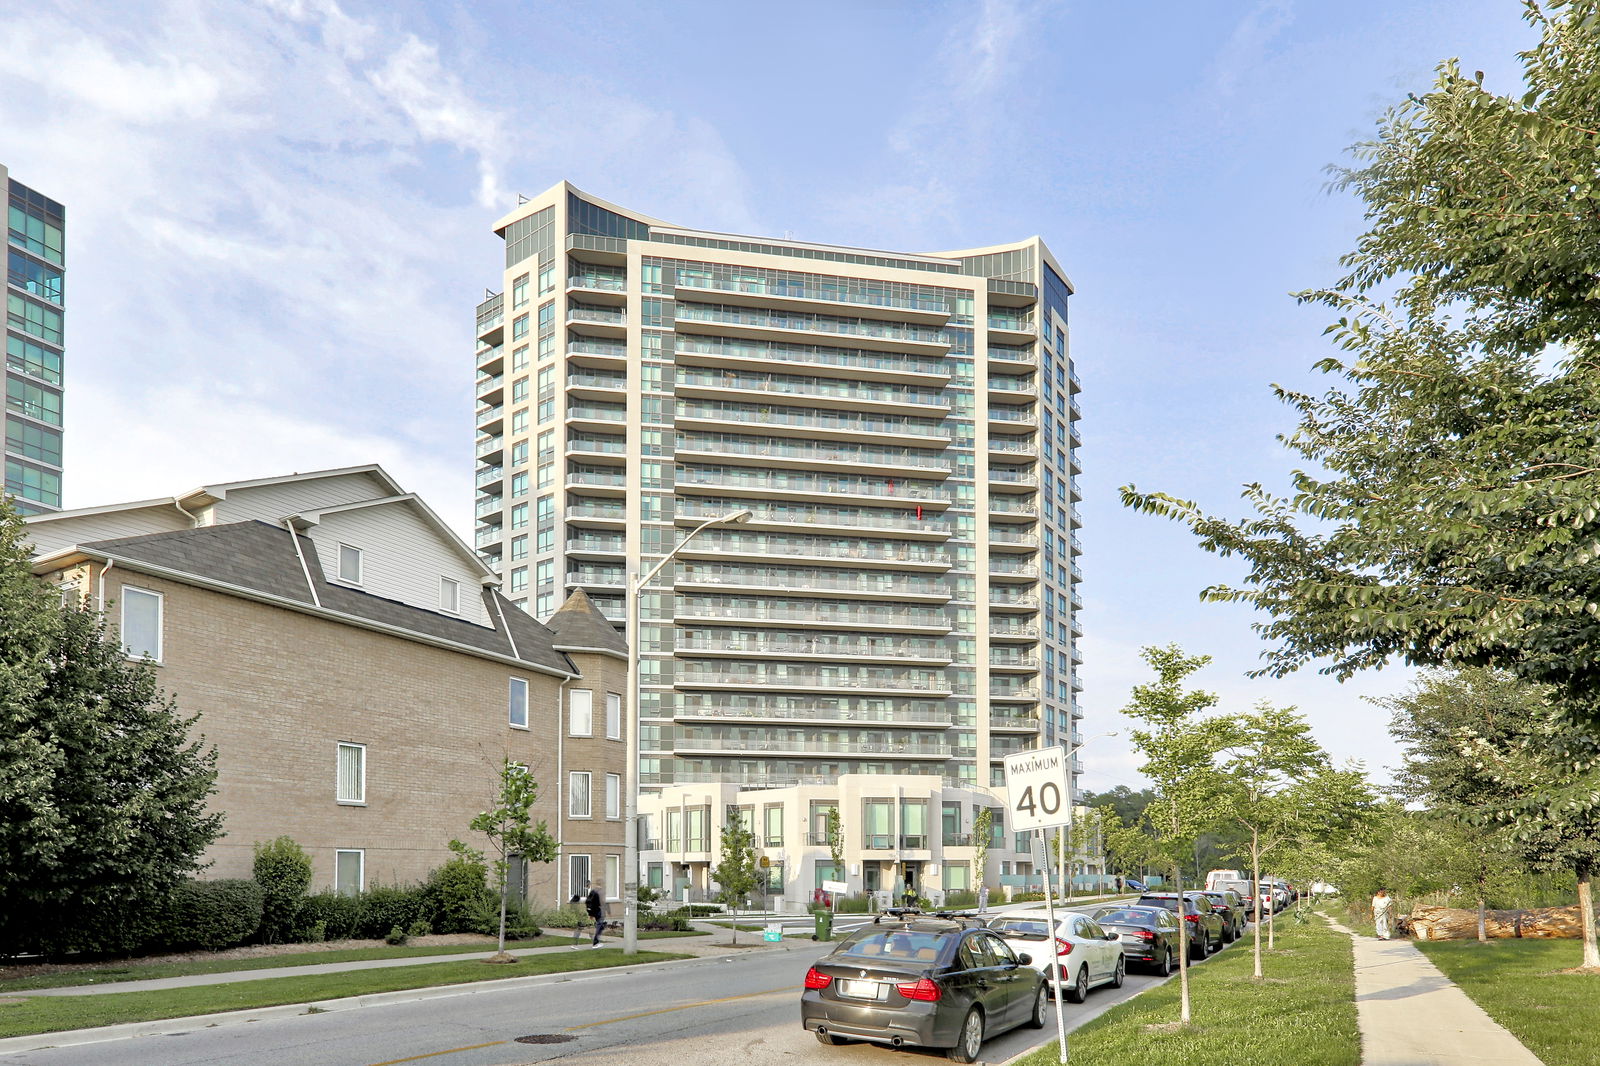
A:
(1126, 916)
(1164, 904)
(1021, 929)
(899, 944)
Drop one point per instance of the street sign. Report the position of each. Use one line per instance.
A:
(1036, 781)
(835, 886)
(766, 863)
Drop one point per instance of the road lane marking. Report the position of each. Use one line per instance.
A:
(435, 1054)
(669, 1010)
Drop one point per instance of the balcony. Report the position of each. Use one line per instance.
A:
(869, 583)
(490, 359)
(595, 545)
(772, 451)
(867, 679)
(487, 535)
(787, 516)
(872, 365)
(786, 483)
(727, 320)
(490, 387)
(490, 314)
(490, 417)
(599, 282)
(799, 389)
(590, 346)
(596, 575)
(489, 448)
(777, 290)
(489, 505)
(837, 425)
(823, 614)
(935, 719)
(769, 748)
(583, 380)
(490, 475)
(595, 510)
(597, 479)
(723, 544)
(745, 645)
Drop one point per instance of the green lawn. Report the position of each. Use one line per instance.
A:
(49, 1014)
(1519, 983)
(1303, 1014)
(135, 970)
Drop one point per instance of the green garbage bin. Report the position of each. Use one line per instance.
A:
(824, 926)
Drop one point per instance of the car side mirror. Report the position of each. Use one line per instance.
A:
(1025, 959)
(1111, 936)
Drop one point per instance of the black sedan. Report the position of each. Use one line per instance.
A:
(1149, 935)
(1230, 906)
(1205, 924)
(910, 980)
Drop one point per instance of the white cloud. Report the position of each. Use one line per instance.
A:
(1246, 47)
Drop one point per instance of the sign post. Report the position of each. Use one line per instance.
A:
(1037, 794)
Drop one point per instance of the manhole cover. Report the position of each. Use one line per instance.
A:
(546, 1038)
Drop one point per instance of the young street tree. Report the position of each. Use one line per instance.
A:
(511, 830)
(102, 793)
(1180, 749)
(1447, 512)
(982, 830)
(736, 873)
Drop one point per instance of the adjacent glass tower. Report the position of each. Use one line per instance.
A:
(903, 427)
(35, 308)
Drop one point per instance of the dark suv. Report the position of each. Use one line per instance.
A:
(1230, 906)
(910, 979)
(1205, 924)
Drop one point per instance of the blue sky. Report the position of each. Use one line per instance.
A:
(278, 225)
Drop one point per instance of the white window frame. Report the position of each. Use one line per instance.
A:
(613, 716)
(580, 886)
(573, 793)
(580, 712)
(359, 560)
(449, 595)
(613, 877)
(360, 799)
(147, 654)
(515, 686)
(361, 868)
(613, 796)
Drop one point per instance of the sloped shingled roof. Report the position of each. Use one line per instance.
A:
(578, 623)
(261, 558)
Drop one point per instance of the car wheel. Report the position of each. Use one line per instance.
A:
(1202, 949)
(1165, 969)
(971, 1038)
(1037, 1021)
(1120, 974)
(1080, 986)
(827, 1038)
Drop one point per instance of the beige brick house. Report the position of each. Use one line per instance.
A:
(358, 672)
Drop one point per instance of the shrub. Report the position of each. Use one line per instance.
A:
(420, 927)
(316, 933)
(854, 904)
(337, 915)
(567, 916)
(396, 937)
(960, 899)
(212, 915)
(520, 922)
(283, 870)
(383, 907)
(454, 890)
(674, 922)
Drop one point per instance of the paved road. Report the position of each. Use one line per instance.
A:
(741, 1008)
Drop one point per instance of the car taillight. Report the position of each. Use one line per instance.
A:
(1145, 934)
(1063, 947)
(1191, 917)
(925, 989)
(817, 980)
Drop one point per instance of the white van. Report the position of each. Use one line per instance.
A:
(1223, 875)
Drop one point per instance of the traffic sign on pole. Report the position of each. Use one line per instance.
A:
(1036, 781)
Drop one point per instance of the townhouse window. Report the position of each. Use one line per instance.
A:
(578, 803)
(613, 716)
(349, 871)
(449, 595)
(578, 873)
(349, 564)
(613, 877)
(580, 712)
(350, 784)
(613, 796)
(773, 817)
(517, 703)
(141, 623)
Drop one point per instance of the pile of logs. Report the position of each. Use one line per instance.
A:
(1455, 923)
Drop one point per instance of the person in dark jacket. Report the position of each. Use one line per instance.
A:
(596, 909)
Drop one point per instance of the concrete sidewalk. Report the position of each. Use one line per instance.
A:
(1413, 1015)
(719, 941)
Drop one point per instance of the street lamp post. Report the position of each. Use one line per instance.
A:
(1061, 851)
(630, 787)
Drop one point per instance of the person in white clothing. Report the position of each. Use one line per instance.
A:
(1381, 907)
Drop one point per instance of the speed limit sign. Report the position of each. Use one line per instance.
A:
(1037, 783)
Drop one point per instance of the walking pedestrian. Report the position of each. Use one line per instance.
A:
(1382, 905)
(596, 909)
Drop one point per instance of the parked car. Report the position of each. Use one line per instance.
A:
(1231, 907)
(1133, 884)
(909, 979)
(1148, 935)
(1205, 924)
(1240, 888)
(1080, 955)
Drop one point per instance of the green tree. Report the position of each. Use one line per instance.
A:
(1447, 512)
(511, 830)
(102, 793)
(1127, 803)
(835, 830)
(982, 830)
(736, 872)
(283, 870)
(1269, 750)
(1180, 749)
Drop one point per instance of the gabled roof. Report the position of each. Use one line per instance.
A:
(261, 560)
(578, 625)
(428, 515)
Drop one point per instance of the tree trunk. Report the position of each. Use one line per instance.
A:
(1255, 886)
(503, 878)
(1458, 923)
(1483, 921)
(1184, 1013)
(1591, 953)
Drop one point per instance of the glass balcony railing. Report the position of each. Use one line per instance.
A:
(592, 477)
(594, 509)
(489, 383)
(1016, 323)
(1011, 383)
(489, 475)
(608, 315)
(490, 445)
(597, 381)
(812, 515)
(999, 658)
(487, 535)
(749, 414)
(865, 294)
(823, 612)
(594, 544)
(490, 413)
(595, 575)
(1006, 536)
(604, 282)
(841, 485)
(746, 644)
(777, 677)
(848, 327)
(847, 549)
(813, 355)
(999, 629)
(587, 346)
(1003, 565)
(1012, 446)
(867, 581)
(1012, 597)
(931, 750)
(1013, 477)
(799, 387)
(821, 451)
(1010, 505)
(597, 412)
(489, 353)
(1012, 414)
(606, 446)
(1022, 353)
(489, 505)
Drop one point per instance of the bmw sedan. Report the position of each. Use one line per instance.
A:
(910, 980)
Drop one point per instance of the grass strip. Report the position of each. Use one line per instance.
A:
(1519, 984)
(1304, 1012)
(134, 970)
(51, 1014)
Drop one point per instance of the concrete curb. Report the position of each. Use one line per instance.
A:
(177, 1026)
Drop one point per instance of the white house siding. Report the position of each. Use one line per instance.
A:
(53, 534)
(402, 557)
(273, 503)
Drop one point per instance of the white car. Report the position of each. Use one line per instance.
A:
(1082, 955)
